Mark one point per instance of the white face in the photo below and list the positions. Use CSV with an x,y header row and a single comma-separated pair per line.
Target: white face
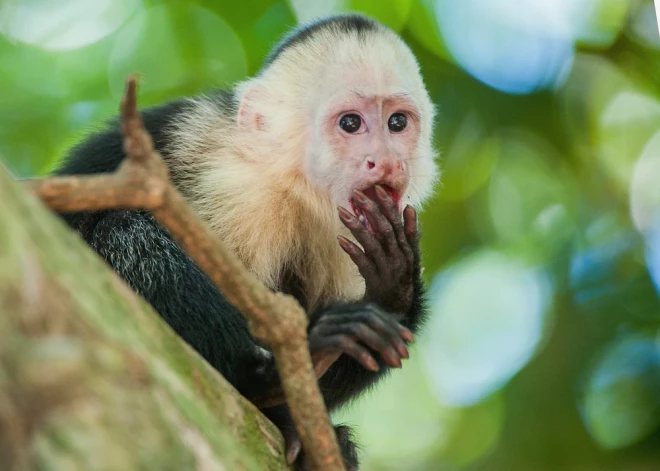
x,y
368,131
357,116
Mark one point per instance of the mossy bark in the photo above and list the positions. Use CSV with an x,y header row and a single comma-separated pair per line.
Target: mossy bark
x,y
92,379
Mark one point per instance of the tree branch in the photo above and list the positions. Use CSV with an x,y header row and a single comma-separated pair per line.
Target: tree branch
x,y
142,183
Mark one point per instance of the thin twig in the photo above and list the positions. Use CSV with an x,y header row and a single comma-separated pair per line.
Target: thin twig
x,y
141,182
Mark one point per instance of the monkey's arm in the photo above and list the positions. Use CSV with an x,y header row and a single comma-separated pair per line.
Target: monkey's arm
x,y
390,265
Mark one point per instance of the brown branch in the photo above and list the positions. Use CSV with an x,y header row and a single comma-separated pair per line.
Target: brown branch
x,y
142,182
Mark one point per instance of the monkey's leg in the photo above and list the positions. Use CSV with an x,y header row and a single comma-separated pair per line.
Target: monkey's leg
x,y
295,454
346,446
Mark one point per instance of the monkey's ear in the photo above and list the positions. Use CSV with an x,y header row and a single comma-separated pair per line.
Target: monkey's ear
x,y
249,117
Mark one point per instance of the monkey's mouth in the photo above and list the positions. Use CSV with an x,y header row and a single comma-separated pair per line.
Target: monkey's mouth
x,y
371,194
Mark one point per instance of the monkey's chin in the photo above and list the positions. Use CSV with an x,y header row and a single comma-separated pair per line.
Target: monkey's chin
x,y
371,194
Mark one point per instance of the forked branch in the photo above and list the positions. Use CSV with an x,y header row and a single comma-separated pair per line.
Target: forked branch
x,y
142,183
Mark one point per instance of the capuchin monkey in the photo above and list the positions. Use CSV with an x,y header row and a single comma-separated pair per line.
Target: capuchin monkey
x,y
310,172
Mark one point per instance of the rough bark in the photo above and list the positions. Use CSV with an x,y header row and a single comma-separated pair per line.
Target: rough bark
x,y
92,378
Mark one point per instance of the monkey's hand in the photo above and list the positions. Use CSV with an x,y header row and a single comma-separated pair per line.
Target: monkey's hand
x,y
360,331
389,258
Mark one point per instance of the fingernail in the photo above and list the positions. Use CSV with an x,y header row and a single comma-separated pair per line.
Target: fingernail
x,y
403,351
382,194
345,214
414,213
371,363
394,359
407,335
361,197
343,242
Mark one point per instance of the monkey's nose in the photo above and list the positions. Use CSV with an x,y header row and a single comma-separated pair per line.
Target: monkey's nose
x,y
383,167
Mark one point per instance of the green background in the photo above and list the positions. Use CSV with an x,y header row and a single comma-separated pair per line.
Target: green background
x,y
541,246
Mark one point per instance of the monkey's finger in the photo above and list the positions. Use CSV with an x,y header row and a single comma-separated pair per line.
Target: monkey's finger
x,y
369,243
391,212
367,336
344,344
387,326
381,224
410,224
380,320
387,331
364,264
375,314
378,317
389,208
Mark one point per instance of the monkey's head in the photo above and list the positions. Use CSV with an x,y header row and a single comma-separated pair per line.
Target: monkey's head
x,y
344,96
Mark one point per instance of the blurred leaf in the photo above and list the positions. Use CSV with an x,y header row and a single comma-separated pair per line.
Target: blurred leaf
x,y
476,432
271,27
622,402
469,162
473,345
410,431
601,21
529,181
307,10
424,28
202,51
393,13
65,24
627,122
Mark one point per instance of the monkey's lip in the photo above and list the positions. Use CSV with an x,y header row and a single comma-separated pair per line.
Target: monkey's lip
x,y
370,192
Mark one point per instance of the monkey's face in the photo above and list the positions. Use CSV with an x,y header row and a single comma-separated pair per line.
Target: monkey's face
x,y
369,132
354,111
372,139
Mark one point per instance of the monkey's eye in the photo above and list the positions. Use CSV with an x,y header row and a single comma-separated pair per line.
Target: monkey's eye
x,y
350,123
397,122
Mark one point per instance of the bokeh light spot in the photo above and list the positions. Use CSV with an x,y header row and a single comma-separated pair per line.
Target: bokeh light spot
x,y
400,434
622,400
306,10
64,24
624,127
645,186
202,51
468,163
487,315
515,47
652,254
526,193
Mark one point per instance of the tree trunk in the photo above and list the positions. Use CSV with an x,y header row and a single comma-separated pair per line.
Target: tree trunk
x,y
92,379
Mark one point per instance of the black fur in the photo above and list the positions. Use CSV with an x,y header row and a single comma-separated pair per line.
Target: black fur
x,y
342,23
